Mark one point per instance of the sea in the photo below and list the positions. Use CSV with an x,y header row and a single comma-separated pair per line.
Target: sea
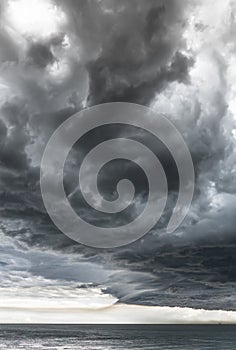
x,y
107,337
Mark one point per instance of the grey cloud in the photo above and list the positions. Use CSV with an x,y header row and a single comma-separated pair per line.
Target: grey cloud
x,y
132,51
41,55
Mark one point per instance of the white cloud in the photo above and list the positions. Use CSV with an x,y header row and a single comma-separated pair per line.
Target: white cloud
x,y
115,314
34,18
54,298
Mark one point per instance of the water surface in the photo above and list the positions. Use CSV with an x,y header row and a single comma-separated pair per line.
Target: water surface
x,y
107,337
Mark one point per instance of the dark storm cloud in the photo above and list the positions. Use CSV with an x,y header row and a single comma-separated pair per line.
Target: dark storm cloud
x,y
41,55
199,272
103,89
140,53
16,138
133,51
151,20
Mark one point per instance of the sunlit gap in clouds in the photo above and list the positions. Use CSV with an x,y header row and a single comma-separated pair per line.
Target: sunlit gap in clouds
x,y
31,21
35,18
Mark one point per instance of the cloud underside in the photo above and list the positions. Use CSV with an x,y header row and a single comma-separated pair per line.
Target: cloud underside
x,y
177,57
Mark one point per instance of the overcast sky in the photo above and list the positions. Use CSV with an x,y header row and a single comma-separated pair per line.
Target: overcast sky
x,y
176,56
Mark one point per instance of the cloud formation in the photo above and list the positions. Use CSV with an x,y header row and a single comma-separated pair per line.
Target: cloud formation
x,y
177,57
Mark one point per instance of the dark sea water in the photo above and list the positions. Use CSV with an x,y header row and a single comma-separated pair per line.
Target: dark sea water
x,y
107,337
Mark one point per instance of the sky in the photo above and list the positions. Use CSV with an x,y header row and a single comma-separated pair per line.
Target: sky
x,y
177,57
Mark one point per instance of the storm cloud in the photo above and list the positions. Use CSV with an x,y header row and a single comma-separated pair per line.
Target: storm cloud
x,y
178,57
